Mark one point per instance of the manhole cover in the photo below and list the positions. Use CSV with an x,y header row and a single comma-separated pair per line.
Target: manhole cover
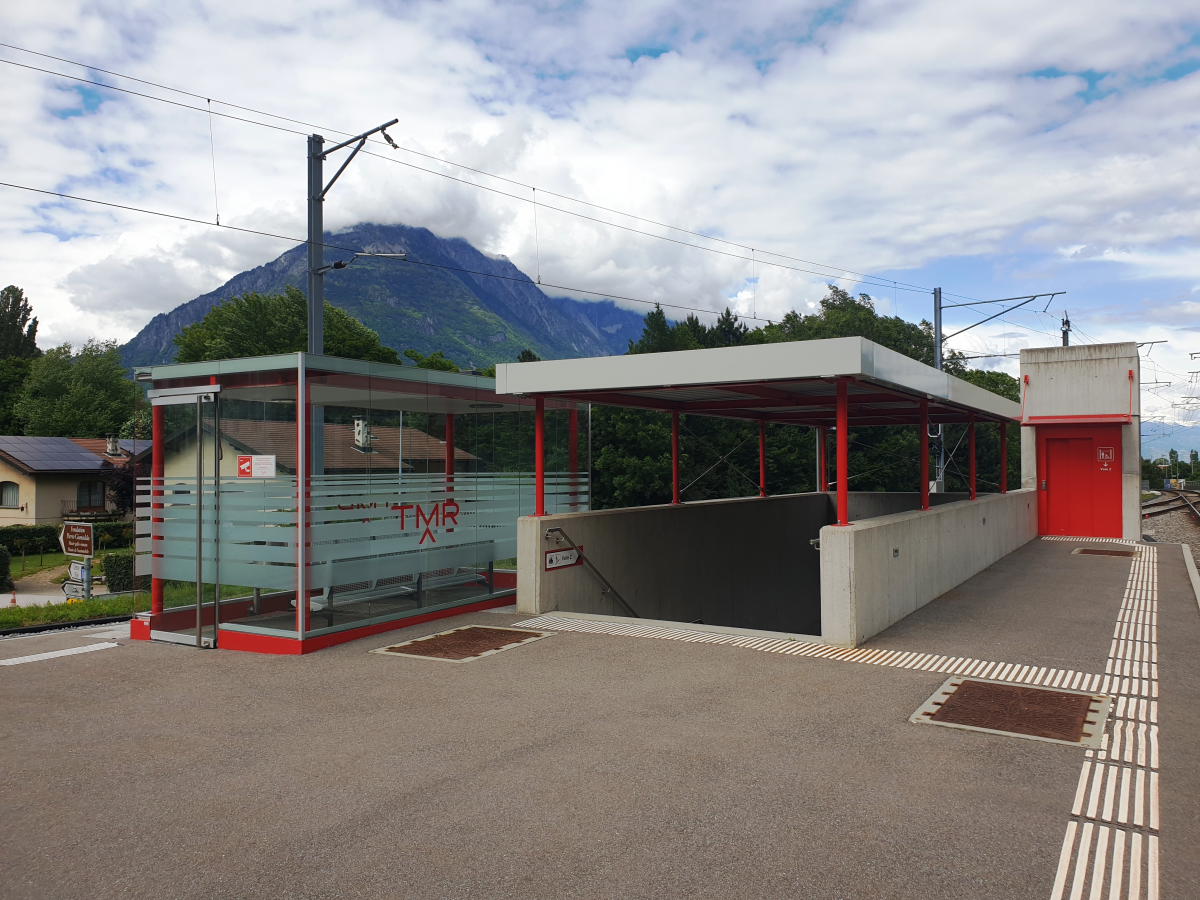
x,y
1095,551
464,644
1064,717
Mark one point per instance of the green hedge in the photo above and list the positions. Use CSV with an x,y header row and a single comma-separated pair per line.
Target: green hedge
x,y
118,572
33,537
108,536
5,569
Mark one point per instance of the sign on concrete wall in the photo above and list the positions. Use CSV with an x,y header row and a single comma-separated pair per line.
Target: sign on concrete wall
x,y
76,538
561,559
256,466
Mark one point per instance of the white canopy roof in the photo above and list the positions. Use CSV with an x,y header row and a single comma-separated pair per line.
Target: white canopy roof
x,y
787,382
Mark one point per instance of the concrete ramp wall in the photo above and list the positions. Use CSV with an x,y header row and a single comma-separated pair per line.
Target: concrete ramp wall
x,y
875,572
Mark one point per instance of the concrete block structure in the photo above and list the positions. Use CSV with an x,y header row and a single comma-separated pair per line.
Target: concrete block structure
x,y
1081,439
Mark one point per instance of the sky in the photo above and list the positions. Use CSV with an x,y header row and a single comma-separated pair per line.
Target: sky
x,y
699,155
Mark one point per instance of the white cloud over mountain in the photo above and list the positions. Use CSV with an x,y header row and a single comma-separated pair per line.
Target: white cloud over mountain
x,y
994,149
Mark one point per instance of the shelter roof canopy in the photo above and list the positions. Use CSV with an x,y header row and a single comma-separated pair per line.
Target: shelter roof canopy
x,y
794,382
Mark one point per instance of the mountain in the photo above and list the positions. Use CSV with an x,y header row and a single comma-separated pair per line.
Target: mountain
x,y
475,319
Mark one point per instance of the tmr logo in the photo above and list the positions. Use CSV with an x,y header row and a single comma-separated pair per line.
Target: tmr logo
x,y
1106,454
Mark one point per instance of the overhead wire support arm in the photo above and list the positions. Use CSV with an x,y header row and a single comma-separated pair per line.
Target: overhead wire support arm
x,y
317,189
999,314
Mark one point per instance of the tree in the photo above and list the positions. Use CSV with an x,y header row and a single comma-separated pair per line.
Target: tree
x,y
13,372
632,447
84,394
255,324
528,355
435,360
18,328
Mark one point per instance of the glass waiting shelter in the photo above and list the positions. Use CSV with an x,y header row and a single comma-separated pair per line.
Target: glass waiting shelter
x,y
298,501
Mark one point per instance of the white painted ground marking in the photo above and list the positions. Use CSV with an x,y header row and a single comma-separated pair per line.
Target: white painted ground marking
x,y
1118,865
1131,674
1152,867
54,654
1098,868
1135,867
1081,862
1064,863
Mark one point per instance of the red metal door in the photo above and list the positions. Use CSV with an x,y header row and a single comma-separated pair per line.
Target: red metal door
x,y
1079,480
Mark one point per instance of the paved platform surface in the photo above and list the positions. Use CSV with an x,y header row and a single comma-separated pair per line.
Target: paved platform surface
x,y
592,765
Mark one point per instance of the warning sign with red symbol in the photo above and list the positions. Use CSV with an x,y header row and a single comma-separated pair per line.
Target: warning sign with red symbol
x,y
256,466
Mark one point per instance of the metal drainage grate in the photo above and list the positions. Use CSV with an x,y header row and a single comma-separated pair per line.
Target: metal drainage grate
x,y
464,644
1095,551
1062,717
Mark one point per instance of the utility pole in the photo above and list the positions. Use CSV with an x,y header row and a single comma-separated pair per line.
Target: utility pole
x,y
317,189
1066,329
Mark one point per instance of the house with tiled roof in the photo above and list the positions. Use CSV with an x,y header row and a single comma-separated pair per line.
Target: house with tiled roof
x,y
46,479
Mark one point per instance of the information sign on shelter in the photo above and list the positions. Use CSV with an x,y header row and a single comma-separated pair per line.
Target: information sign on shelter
x,y
76,538
256,466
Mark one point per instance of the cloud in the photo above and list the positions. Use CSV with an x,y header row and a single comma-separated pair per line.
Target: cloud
x,y
999,148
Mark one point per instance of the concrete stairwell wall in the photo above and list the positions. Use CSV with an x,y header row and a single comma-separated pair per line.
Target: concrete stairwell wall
x,y
877,571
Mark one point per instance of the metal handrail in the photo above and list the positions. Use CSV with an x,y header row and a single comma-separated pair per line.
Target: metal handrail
x,y
610,589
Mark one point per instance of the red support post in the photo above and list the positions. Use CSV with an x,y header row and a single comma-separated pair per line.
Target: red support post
x,y
762,459
924,454
971,454
158,454
1003,426
539,456
843,454
449,450
675,458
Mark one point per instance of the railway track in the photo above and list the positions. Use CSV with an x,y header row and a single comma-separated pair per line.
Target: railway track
x,y
1178,500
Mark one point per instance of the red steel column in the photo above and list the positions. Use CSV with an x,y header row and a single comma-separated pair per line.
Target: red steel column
x,y
449,450
924,454
157,469
843,455
675,458
539,456
762,459
971,454
1003,457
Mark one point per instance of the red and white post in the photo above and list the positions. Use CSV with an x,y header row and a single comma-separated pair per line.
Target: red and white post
x,y
843,454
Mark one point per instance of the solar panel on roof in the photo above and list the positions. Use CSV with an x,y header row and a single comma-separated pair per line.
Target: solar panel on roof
x,y
48,454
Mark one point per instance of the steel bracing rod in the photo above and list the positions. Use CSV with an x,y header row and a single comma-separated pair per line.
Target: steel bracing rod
x,y
353,153
1001,313
592,566
361,137
720,459
1002,300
